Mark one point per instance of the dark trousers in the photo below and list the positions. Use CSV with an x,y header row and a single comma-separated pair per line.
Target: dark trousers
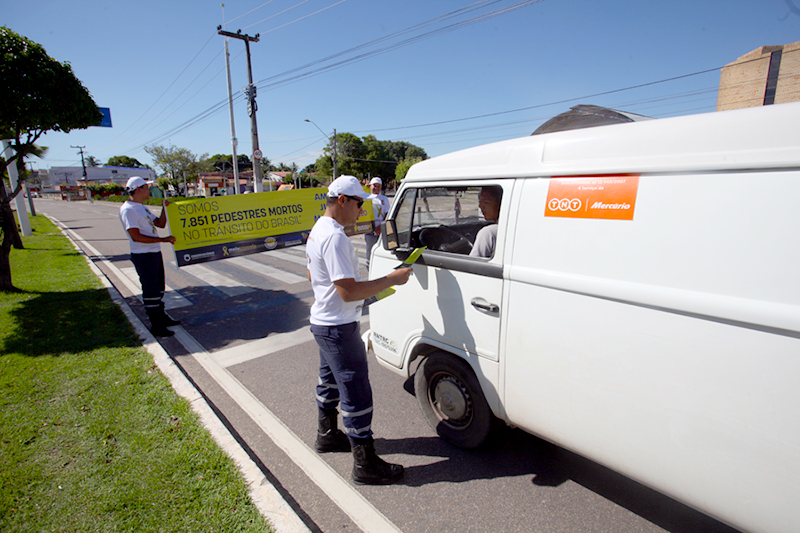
x,y
344,378
150,267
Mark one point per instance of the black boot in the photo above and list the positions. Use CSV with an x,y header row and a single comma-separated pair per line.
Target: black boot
x,y
329,437
369,469
166,319
169,321
157,326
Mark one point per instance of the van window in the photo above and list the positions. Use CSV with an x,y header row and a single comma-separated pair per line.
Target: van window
x,y
445,219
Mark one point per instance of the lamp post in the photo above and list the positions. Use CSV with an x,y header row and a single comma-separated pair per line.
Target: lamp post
x,y
335,169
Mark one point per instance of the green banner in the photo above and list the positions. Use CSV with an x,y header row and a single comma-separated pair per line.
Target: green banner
x,y
208,229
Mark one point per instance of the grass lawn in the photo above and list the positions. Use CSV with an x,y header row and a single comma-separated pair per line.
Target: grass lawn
x,y
92,435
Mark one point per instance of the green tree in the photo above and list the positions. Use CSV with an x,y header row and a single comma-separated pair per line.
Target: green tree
x,y
39,95
367,156
403,166
92,161
125,161
174,161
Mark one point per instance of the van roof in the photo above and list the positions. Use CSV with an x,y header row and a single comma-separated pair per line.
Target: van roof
x,y
743,139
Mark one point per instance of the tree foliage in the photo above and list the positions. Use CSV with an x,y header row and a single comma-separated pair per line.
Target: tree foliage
x,y
404,166
366,156
224,163
125,161
40,94
174,161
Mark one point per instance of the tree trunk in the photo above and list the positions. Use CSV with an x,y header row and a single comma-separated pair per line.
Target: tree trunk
x,y
5,252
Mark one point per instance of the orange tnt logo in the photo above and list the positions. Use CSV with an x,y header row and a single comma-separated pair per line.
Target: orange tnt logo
x,y
605,197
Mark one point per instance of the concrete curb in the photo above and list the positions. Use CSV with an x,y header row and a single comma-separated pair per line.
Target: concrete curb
x,y
266,498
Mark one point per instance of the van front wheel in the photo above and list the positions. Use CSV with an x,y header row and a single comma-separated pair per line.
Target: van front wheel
x,y
452,401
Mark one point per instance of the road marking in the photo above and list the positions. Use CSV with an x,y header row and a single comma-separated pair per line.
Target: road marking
x,y
228,357
290,257
339,490
172,298
266,270
229,286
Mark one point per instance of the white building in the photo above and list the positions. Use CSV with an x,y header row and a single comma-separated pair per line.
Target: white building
x,y
55,178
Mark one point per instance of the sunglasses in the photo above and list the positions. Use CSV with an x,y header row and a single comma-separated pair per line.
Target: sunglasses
x,y
358,200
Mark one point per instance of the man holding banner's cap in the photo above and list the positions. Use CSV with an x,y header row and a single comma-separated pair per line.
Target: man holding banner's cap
x,y
338,296
141,224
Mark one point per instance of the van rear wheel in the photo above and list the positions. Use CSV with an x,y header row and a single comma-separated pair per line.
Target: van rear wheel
x,y
452,400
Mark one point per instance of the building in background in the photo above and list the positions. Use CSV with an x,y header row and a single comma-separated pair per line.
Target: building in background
x,y
767,75
58,178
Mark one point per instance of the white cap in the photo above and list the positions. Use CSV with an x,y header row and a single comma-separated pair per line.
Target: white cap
x,y
136,182
377,181
347,186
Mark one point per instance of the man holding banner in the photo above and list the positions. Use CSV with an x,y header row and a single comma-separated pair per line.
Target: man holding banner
x,y
141,224
338,298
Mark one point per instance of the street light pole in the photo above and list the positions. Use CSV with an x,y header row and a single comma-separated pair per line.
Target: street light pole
x,y
335,168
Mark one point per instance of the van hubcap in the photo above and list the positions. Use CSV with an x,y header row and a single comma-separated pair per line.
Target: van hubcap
x,y
451,400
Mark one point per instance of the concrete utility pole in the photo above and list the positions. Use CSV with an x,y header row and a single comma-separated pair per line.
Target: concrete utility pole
x,y
83,163
250,92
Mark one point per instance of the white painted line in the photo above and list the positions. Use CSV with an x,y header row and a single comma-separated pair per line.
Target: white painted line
x,y
242,353
229,286
339,490
172,299
266,270
290,257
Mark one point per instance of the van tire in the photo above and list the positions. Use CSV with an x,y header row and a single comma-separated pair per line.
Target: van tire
x,y
452,401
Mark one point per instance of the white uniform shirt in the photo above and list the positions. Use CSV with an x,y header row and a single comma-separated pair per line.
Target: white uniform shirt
x,y
380,208
136,215
485,241
331,257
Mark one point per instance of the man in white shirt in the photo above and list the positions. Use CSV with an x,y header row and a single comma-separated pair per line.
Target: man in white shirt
x,y
489,204
380,208
140,225
339,293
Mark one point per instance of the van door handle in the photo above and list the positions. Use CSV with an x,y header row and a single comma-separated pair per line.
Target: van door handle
x,y
483,305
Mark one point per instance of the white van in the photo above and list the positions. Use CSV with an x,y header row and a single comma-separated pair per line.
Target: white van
x,y
641,307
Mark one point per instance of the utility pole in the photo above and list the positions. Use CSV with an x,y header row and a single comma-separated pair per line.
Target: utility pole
x,y
83,164
250,92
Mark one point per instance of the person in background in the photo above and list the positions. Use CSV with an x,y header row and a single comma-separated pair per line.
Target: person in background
x,y
380,208
338,297
489,204
140,225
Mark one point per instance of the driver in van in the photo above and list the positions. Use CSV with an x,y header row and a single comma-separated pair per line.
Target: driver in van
x,y
489,204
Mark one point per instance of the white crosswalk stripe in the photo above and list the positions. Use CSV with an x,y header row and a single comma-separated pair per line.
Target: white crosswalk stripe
x,y
229,286
266,270
297,258
172,298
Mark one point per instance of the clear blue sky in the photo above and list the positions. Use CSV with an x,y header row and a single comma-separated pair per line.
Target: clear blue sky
x,y
159,66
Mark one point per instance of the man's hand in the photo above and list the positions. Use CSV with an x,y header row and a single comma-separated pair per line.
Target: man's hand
x,y
351,290
400,276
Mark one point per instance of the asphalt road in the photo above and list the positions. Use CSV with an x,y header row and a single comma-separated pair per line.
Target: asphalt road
x,y
245,344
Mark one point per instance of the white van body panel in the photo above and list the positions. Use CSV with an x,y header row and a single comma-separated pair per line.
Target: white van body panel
x,y
666,347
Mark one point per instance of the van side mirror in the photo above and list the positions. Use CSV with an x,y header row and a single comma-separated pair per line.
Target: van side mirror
x,y
389,235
